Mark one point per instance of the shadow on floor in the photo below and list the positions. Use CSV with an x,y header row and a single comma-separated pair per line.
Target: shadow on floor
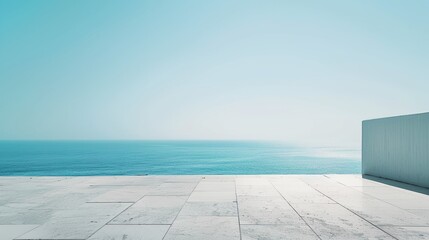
x,y
402,185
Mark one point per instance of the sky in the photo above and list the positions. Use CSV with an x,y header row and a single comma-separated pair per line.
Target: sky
x,y
303,72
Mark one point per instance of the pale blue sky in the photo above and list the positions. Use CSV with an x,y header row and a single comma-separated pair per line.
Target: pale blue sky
x,y
306,72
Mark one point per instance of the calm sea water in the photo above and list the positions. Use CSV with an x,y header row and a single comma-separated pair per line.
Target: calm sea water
x,y
77,158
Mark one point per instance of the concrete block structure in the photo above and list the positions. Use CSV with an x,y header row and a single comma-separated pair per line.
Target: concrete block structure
x,y
397,148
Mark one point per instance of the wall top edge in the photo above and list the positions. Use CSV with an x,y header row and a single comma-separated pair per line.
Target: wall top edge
x,y
398,116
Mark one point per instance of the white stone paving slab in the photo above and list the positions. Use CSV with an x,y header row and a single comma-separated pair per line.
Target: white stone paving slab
x,y
381,213
212,207
266,210
9,232
209,209
374,210
408,233
353,180
123,194
253,181
390,192
218,178
249,190
277,232
212,197
131,232
213,186
331,221
7,181
420,212
78,223
173,189
300,193
421,203
321,181
336,190
21,213
178,178
64,201
204,227
122,181
152,210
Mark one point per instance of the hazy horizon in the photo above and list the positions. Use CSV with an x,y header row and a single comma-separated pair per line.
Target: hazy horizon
x,y
305,72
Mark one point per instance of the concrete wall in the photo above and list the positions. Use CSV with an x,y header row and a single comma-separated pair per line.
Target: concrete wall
x,y
397,148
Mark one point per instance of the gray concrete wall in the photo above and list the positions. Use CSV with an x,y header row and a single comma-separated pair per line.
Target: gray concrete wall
x,y
397,148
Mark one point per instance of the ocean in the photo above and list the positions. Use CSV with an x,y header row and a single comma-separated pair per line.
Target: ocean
x,y
94,158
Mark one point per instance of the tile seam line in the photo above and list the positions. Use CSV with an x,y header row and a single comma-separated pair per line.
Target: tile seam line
x,y
49,238
38,225
171,195
391,204
306,223
266,224
146,224
350,209
366,220
126,185
417,226
238,209
166,232
113,218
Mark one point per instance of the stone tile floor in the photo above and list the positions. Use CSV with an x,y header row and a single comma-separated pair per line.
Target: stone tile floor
x,y
212,207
